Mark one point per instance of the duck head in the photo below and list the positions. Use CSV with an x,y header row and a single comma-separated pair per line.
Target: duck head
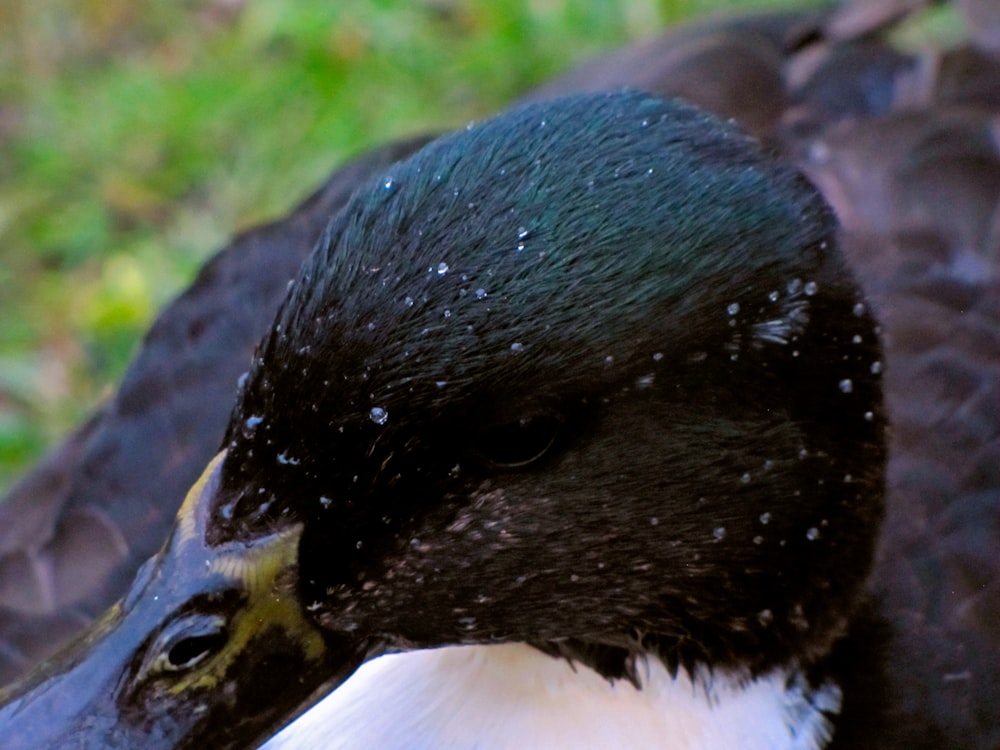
x,y
590,375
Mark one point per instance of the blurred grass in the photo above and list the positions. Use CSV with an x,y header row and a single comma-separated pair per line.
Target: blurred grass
x,y
137,136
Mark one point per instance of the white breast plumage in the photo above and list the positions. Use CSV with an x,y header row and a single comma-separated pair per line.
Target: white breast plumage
x,y
513,696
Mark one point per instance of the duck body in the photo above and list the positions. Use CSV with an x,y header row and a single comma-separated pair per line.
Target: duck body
x,y
514,515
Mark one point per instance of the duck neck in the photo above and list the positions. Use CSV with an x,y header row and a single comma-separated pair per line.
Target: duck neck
x,y
513,695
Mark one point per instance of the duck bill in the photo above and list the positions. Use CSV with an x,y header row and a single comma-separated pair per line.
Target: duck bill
x,y
211,647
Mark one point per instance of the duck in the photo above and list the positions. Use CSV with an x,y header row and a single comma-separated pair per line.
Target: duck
x,y
426,449
938,397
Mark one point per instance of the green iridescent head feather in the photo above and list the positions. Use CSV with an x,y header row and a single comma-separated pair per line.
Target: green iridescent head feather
x,y
534,247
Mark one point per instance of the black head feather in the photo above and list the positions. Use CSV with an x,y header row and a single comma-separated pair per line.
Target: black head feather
x,y
589,372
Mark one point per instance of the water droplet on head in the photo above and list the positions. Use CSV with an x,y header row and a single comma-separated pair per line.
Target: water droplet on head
x,y
467,623
657,356
876,368
242,380
745,478
442,269
732,308
408,301
719,533
810,288
252,422
773,296
869,416
765,617
481,293
325,501
388,183
856,339
517,347
522,232
378,415
794,286
859,310
758,539
812,534
846,385
765,518
608,361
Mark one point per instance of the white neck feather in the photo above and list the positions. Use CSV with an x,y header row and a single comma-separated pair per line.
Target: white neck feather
x,y
513,696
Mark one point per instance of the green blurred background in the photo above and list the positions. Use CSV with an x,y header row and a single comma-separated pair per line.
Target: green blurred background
x,y
137,136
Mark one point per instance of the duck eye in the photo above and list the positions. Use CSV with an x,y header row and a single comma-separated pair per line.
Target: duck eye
x,y
521,443
188,652
188,642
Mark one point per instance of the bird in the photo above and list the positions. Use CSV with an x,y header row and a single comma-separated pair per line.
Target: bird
x,y
433,424
918,274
